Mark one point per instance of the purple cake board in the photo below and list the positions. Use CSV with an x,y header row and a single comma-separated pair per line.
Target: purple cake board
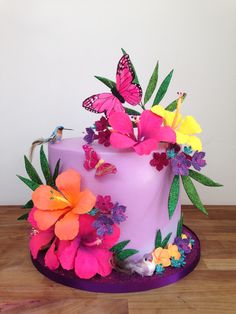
x,y
118,282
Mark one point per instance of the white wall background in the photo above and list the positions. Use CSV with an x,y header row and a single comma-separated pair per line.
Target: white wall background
x,y
50,50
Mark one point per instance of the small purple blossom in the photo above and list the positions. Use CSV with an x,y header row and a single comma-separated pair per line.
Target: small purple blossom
x,y
90,136
183,244
118,213
180,164
103,225
197,160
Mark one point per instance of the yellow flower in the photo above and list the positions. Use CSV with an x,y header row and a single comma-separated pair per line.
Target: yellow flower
x,y
185,128
173,251
183,236
161,256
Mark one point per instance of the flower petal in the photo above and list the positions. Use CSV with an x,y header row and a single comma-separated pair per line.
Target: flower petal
x,y
85,203
103,257
149,125
86,226
46,198
194,142
120,122
51,259
31,219
118,140
146,147
68,182
68,253
47,218
168,116
181,138
167,134
189,126
67,227
109,240
40,240
86,264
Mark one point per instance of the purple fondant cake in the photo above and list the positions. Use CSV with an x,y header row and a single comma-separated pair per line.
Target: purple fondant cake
x,y
109,202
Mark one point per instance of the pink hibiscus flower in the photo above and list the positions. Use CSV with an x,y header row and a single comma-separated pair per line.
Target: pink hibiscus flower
x,y
87,254
150,132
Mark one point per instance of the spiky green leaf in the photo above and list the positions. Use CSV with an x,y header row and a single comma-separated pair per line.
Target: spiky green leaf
x,y
31,184
193,194
158,239
166,240
163,89
45,167
131,112
173,196
56,171
23,217
151,84
106,81
172,106
29,204
119,246
180,226
203,179
122,255
135,80
32,173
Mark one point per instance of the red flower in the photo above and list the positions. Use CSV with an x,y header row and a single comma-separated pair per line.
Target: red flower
x,y
104,204
159,161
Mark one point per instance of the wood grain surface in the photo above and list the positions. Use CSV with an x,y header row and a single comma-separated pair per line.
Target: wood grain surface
x,y
211,288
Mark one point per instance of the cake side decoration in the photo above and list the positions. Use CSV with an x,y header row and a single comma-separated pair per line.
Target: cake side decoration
x,y
90,226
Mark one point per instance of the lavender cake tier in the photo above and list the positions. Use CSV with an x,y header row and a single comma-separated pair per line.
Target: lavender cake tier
x,y
136,185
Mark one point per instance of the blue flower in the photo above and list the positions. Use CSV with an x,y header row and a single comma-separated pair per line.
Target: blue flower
x,y
159,269
197,160
103,225
188,150
93,211
171,153
118,213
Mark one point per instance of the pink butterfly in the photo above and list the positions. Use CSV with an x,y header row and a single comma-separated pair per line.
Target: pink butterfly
x,y
125,90
92,161
150,132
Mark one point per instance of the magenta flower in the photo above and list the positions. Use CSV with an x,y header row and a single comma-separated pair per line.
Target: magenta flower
x,y
197,160
159,161
104,137
104,204
180,164
101,124
150,132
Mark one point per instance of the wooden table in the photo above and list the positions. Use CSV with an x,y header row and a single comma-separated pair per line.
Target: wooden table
x,y
211,288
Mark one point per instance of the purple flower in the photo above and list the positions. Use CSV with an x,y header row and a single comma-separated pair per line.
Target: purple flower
x,y
183,244
103,225
90,136
180,164
118,213
197,160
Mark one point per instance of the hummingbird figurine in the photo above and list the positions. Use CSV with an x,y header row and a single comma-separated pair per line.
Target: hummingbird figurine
x,y
53,138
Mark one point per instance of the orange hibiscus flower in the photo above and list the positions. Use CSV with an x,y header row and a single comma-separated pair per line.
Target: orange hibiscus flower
x,y
174,251
161,256
62,207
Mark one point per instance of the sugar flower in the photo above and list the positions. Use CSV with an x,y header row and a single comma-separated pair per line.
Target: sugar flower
x,y
150,132
62,207
183,244
159,161
174,251
90,136
104,204
185,128
197,160
101,124
180,164
103,225
161,256
118,213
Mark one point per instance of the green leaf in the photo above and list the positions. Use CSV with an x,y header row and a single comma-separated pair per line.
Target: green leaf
x,y
29,204
32,173
166,240
122,255
158,239
203,179
119,246
31,184
163,89
132,112
106,81
172,106
193,194
45,167
23,217
173,195
135,80
151,85
56,170
180,226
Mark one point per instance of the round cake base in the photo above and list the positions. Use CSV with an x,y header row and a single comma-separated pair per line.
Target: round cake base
x,y
118,282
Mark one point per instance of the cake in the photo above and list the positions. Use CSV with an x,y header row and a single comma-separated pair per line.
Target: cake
x,y
111,201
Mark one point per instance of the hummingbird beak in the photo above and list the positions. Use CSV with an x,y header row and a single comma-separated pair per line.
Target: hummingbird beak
x,y
68,129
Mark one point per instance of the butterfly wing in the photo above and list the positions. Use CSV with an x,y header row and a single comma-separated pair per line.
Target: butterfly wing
x,y
131,92
105,102
91,157
104,169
